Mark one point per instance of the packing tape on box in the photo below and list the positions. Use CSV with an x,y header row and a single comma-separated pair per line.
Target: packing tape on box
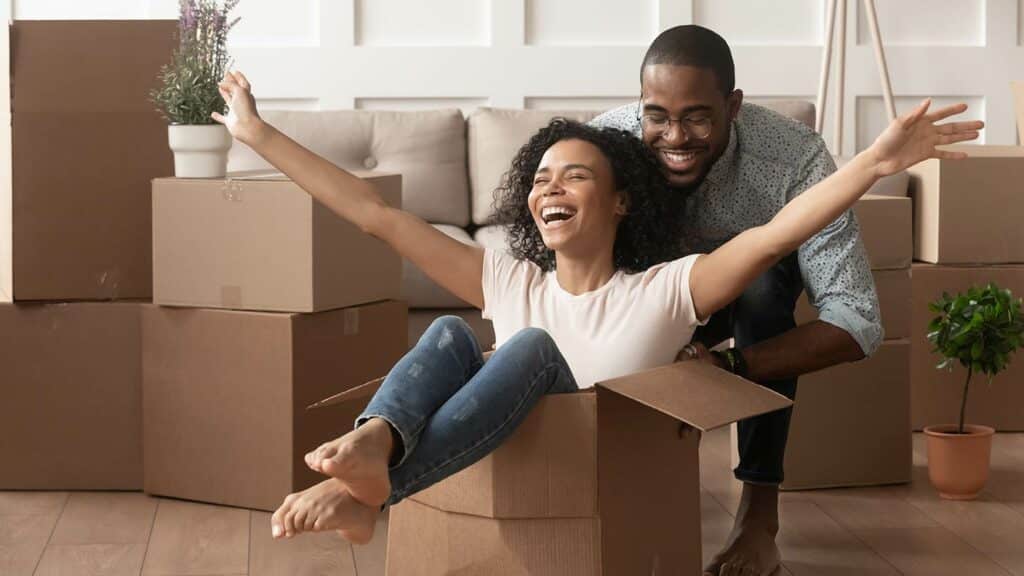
x,y
231,296
351,321
231,190
109,282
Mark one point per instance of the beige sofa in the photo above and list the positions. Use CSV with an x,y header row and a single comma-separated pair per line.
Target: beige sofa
x,y
450,167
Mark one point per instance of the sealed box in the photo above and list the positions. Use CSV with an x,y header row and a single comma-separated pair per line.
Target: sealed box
x,y
936,394
259,242
969,211
893,288
79,143
885,226
70,417
224,395
573,490
851,423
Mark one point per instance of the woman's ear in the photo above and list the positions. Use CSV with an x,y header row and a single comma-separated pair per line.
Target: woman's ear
x,y
622,203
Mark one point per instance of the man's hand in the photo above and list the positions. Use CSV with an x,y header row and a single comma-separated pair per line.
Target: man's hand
x,y
700,353
913,137
243,121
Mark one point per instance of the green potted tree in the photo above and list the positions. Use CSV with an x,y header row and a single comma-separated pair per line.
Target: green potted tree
x,y
979,330
188,93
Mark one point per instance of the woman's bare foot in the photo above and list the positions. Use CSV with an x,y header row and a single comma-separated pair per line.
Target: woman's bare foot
x,y
751,547
325,506
359,460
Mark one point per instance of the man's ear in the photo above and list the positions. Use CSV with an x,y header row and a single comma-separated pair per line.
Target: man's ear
x,y
735,101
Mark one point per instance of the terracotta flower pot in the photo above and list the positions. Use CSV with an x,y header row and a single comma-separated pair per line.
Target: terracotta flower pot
x,y
958,464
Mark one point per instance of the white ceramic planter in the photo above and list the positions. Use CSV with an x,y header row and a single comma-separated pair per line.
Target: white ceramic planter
x,y
200,151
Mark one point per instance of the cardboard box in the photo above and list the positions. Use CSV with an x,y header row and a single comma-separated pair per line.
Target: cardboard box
x,y
885,226
261,243
70,417
969,211
851,423
573,490
225,395
936,394
893,288
75,172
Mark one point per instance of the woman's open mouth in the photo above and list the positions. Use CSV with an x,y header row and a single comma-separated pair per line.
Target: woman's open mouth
x,y
679,160
556,216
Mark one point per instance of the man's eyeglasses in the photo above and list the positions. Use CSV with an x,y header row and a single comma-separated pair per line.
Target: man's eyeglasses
x,y
697,126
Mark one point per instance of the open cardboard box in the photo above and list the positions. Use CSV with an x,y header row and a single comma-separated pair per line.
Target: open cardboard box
x,y
602,481
256,241
79,143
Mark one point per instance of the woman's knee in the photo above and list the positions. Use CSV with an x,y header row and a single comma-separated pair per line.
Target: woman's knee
x,y
534,338
445,331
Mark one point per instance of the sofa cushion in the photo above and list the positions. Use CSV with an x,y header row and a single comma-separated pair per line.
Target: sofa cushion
x,y
422,292
495,135
428,148
800,110
492,237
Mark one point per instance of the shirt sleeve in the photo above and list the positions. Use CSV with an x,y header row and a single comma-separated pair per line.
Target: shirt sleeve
x,y
624,118
834,264
673,278
503,278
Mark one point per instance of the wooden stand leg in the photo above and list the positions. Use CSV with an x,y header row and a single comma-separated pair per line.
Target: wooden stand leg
x,y
883,69
840,78
826,60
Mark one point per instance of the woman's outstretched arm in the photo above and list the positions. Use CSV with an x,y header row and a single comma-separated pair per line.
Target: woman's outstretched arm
x,y
720,277
455,266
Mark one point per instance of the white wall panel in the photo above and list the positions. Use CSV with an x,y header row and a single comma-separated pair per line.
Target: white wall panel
x,y
871,115
926,22
266,22
574,103
422,23
584,22
547,54
81,9
756,22
287,104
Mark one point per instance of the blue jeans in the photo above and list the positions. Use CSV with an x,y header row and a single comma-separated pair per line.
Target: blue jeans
x,y
450,409
764,310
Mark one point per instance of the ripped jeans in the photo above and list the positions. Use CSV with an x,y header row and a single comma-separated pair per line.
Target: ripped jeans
x,y
450,409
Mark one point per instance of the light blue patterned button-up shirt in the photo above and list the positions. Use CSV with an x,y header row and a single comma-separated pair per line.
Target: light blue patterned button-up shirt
x,y
769,160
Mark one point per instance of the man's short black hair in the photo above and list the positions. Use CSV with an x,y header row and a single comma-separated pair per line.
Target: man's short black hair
x,y
692,45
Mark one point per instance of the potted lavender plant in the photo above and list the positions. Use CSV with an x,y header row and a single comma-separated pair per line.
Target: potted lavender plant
x,y
188,93
979,330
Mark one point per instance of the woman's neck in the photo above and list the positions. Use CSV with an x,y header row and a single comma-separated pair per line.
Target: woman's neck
x,y
578,276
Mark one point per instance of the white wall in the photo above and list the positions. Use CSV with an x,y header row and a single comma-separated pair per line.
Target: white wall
x,y
585,53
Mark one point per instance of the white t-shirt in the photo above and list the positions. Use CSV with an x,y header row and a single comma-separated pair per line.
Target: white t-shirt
x,y
633,322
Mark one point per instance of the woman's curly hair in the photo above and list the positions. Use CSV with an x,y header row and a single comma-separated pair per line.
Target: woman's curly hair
x,y
651,231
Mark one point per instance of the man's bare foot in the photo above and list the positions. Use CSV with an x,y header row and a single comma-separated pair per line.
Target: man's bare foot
x,y
751,548
325,506
359,460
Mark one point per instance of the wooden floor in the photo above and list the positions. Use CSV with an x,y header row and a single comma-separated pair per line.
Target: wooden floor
x,y
864,532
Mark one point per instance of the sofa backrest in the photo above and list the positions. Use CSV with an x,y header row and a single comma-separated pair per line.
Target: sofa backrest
x,y
428,148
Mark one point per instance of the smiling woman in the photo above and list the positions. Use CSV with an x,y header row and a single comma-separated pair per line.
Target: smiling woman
x,y
646,232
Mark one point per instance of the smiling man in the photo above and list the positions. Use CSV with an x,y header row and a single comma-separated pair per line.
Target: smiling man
x,y
740,164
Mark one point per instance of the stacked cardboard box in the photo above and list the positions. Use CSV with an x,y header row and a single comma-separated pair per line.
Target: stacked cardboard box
x,y
79,142
967,232
268,302
851,423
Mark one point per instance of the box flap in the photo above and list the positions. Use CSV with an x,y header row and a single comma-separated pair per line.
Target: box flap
x,y
698,394
362,391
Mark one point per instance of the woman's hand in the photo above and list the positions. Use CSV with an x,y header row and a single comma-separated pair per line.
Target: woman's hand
x,y
913,137
243,121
